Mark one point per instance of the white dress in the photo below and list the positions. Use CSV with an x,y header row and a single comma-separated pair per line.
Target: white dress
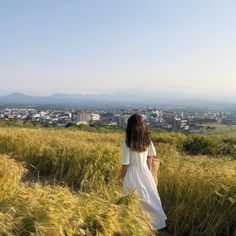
x,y
139,177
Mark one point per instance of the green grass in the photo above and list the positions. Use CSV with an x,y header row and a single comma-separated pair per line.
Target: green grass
x,y
222,129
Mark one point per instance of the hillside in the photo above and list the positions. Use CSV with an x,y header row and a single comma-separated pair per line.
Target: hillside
x,y
71,186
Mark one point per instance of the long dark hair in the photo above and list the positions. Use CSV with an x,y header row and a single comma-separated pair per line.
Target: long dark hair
x,y
137,134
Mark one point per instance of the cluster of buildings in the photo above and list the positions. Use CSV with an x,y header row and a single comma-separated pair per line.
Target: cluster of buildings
x,y
49,117
152,116
228,118
187,121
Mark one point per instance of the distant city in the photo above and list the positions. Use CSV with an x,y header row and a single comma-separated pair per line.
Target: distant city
x,y
155,117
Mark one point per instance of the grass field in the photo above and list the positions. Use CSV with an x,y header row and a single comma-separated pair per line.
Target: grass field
x,y
71,186
222,129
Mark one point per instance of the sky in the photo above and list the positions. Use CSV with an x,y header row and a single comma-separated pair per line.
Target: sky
x,y
173,48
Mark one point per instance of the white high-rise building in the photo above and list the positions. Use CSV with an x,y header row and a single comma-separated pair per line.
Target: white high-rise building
x,y
95,116
153,112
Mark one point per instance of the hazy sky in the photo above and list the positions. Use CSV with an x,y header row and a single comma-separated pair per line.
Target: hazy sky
x,y
183,47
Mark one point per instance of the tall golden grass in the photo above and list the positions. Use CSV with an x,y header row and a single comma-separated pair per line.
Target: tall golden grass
x,y
198,193
33,209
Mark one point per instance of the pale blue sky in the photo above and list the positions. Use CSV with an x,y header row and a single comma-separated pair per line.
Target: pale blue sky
x,y
182,47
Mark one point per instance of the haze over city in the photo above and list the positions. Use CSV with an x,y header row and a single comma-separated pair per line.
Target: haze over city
x,y
183,49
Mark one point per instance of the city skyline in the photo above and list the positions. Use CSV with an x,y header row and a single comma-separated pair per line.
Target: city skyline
x,y
183,49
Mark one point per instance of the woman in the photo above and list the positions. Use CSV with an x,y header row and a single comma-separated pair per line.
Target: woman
x,y
137,153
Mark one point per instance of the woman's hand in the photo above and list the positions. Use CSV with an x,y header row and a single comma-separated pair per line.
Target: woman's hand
x,y
121,181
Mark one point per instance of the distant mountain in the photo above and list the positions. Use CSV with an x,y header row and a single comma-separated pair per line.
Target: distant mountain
x,y
100,101
15,96
61,99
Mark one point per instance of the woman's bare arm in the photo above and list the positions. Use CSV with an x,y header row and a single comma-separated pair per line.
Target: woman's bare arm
x,y
123,171
149,162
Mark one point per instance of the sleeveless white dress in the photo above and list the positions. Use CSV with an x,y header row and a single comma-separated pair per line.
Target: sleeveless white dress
x,y
139,177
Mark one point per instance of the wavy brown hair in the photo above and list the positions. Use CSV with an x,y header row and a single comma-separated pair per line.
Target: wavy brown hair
x,y
137,134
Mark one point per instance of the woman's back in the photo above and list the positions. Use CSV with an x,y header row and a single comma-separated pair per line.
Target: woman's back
x,y
135,158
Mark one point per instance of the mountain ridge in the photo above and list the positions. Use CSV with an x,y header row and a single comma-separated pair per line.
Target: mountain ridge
x,y
105,100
